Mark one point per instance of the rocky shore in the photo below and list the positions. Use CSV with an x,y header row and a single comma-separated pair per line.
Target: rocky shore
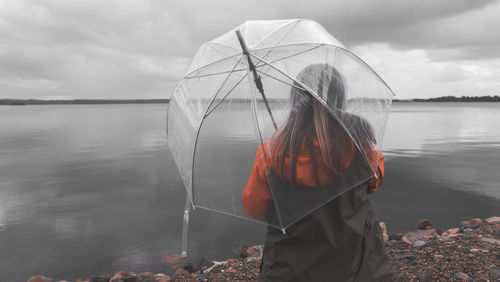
x,y
470,252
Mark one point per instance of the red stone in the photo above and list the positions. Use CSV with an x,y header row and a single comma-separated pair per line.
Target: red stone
x,y
40,278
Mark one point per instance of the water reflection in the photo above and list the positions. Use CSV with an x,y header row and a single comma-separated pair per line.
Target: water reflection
x,y
83,186
427,128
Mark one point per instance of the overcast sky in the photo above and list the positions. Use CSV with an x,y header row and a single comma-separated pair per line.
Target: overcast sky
x,y
141,49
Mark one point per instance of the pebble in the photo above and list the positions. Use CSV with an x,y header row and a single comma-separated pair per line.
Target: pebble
x,y
476,221
40,278
420,234
160,277
182,275
424,277
172,259
461,276
491,240
409,257
424,224
493,219
495,272
147,274
419,244
246,251
232,261
119,275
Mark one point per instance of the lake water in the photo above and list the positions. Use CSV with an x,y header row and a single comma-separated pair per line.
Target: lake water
x,y
88,189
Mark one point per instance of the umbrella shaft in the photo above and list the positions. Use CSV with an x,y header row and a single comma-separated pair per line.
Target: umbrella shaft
x,y
256,77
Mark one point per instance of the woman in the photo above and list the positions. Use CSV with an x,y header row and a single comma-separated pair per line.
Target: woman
x,y
312,158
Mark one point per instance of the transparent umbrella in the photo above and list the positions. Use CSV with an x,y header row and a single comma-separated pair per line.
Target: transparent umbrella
x,y
242,87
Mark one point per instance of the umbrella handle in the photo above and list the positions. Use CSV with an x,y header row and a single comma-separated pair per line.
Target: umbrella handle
x,y
185,227
257,80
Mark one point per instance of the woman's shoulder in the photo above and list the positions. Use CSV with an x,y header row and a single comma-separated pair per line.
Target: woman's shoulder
x,y
262,151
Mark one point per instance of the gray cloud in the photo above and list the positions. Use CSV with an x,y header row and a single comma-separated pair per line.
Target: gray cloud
x,y
140,49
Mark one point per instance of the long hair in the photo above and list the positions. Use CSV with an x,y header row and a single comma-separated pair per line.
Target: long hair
x,y
309,119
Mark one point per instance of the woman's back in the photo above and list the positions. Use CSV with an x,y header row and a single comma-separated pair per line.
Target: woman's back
x,y
312,178
339,241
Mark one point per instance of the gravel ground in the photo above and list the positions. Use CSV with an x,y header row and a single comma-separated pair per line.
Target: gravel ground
x,y
470,252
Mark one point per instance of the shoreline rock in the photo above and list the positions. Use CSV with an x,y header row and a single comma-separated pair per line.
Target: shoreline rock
x,y
470,252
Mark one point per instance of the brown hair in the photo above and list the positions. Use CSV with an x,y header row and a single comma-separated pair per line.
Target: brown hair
x,y
309,118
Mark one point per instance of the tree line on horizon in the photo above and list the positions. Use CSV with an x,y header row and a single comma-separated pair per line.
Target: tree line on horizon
x,y
495,98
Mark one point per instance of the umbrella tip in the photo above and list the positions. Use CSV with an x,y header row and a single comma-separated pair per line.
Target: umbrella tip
x,y
242,42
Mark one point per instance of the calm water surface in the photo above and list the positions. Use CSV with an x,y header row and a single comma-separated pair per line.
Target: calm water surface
x,y
83,186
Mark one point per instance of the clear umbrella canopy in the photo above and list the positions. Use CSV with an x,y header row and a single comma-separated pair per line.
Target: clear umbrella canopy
x,y
218,119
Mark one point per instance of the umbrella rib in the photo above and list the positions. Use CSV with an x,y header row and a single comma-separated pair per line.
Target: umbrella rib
x,y
265,156
215,73
321,44
293,55
222,44
168,109
222,99
322,102
368,66
212,63
225,58
199,127
257,66
300,43
327,201
210,44
235,55
270,34
238,216
280,80
271,48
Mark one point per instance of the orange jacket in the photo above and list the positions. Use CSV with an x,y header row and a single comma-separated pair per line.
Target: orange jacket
x,y
256,192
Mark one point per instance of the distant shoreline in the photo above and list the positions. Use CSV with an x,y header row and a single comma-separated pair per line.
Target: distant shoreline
x,y
495,98
23,102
